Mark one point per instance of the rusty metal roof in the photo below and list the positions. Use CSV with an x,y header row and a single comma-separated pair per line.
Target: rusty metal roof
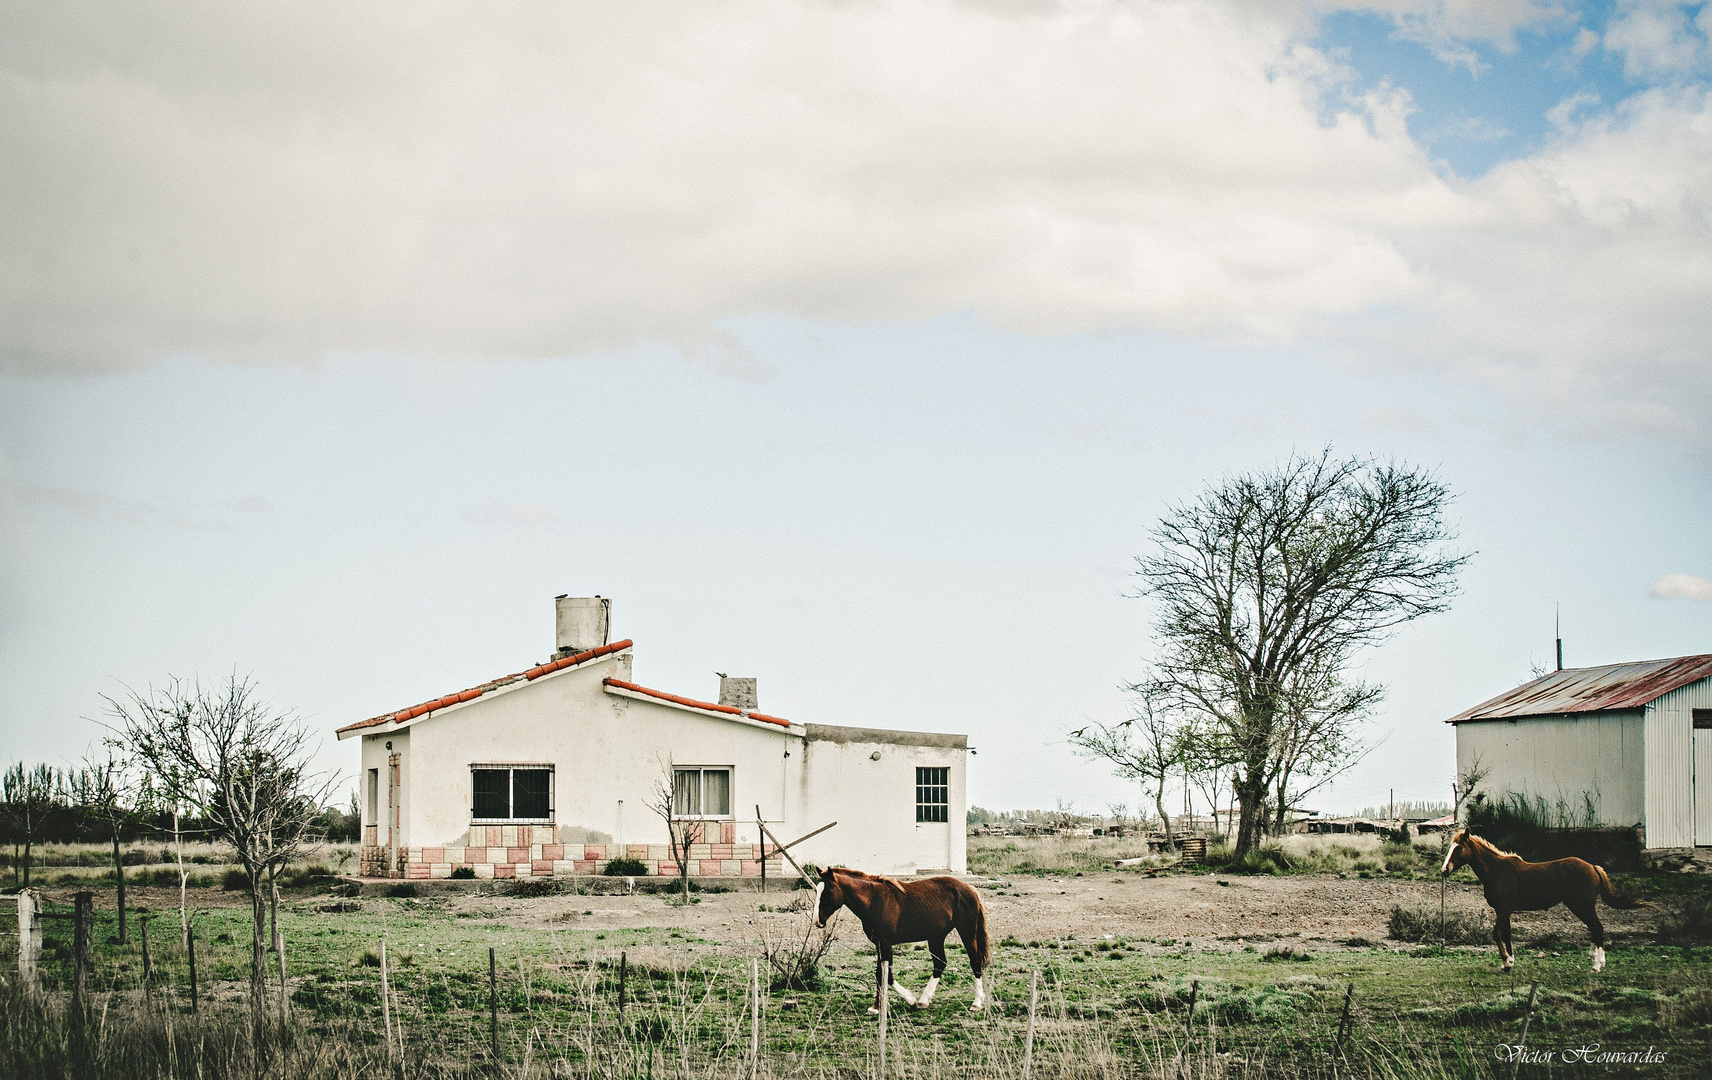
x,y
1592,689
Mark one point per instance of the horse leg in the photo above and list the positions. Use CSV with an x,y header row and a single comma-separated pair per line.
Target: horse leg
x,y
892,973
882,956
1588,913
1501,934
937,948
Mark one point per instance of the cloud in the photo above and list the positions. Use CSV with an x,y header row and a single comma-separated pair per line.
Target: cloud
x,y
210,515
530,514
1658,38
282,184
1684,586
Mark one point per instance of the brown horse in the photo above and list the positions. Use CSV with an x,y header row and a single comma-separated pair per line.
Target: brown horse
x,y
894,913
1513,884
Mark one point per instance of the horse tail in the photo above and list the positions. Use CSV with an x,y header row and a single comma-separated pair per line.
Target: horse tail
x,y
979,946
1612,898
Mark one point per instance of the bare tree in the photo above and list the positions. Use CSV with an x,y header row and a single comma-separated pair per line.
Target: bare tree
x,y
1146,748
31,796
681,831
1315,739
100,789
243,766
1287,571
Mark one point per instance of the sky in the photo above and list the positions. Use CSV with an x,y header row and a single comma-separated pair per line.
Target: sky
x,y
854,346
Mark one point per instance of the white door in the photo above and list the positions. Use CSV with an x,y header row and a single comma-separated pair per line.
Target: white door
x,y
932,819
932,845
1703,777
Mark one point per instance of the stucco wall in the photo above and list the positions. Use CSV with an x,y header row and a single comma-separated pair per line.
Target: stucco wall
x,y
1560,758
606,747
873,801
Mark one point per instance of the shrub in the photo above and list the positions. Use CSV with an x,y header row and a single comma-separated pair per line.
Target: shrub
x,y
403,890
1285,952
626,868
1689,920
1421,925
463,873
235,881
534,887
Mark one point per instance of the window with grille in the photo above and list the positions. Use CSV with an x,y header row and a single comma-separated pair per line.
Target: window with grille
x,y
1702,718
932,794
701,792
511,793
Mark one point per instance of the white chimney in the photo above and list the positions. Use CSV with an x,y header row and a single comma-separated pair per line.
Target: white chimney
x,y
737,693
581,623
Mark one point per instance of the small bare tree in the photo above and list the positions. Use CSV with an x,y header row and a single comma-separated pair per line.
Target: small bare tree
x,y
31,796
100,788
243,766
681,831
1147,753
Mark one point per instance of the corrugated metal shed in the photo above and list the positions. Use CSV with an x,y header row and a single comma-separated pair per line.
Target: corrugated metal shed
x,y
1593,689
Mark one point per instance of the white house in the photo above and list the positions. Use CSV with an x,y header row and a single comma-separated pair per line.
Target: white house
x,y
1631,741
551,771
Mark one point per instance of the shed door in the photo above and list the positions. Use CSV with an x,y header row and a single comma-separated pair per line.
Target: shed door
x,y
932,818
1703,777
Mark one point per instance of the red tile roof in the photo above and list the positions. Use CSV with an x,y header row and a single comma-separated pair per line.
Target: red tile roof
x,y
474,692
694,704
1593,689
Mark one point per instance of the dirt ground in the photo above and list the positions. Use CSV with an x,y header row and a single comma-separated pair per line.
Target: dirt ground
x,y
1197,908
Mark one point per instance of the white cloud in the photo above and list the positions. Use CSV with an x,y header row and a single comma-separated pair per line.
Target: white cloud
x,y
553,179
1657,38
1685,586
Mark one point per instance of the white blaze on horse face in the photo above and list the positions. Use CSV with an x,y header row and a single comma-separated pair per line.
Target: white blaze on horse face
x,y
819,887
1448,856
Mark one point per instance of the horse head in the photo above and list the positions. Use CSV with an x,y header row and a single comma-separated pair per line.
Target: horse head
x,y
1460,854
828,897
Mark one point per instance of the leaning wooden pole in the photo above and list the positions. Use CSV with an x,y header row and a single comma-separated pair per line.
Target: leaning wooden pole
x,y
1522,1041
754,1017
385,1000
885,999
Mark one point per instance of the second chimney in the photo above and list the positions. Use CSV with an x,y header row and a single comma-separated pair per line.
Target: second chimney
x,y
737,693
581,623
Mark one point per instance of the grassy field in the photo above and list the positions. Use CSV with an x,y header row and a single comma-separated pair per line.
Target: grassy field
x,y
1108,1007
1356,855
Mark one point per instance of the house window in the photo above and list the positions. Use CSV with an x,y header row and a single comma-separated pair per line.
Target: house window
x,y
1702,718
374,798
511,793
932,794
701,792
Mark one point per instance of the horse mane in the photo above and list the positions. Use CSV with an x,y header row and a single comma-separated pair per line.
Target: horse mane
x,y
1482,842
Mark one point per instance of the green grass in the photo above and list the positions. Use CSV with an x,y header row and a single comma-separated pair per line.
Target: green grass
x,y
1108,1008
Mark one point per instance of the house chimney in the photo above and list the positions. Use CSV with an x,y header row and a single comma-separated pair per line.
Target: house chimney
x,y
737,693
581,623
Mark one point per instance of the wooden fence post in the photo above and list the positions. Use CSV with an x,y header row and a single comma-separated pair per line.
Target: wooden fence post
x,y
1343,1022
29,942
385,1000
190,953
493,1003
82,931
885,999
754,1017
284,996
1522,1042
1028,1039
1189,1026
148,964
623,964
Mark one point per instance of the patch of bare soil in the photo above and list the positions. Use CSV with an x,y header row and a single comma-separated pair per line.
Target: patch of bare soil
x,y
1181,907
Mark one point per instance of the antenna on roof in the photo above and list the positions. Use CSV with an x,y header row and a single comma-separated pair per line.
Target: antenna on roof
x,y
1557,627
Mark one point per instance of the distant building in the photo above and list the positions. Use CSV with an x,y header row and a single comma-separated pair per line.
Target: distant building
x,y
1630,744
550,772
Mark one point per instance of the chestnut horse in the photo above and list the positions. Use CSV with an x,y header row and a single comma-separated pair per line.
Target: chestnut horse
x,y
893,913
1513,884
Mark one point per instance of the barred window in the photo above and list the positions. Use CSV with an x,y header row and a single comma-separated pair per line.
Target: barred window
x,y
506,793
932,794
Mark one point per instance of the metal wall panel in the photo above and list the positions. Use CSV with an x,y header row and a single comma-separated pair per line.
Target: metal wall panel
x,y
1560,759
1670,765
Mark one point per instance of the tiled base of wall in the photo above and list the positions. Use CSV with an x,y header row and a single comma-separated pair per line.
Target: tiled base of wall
x,y
531,851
